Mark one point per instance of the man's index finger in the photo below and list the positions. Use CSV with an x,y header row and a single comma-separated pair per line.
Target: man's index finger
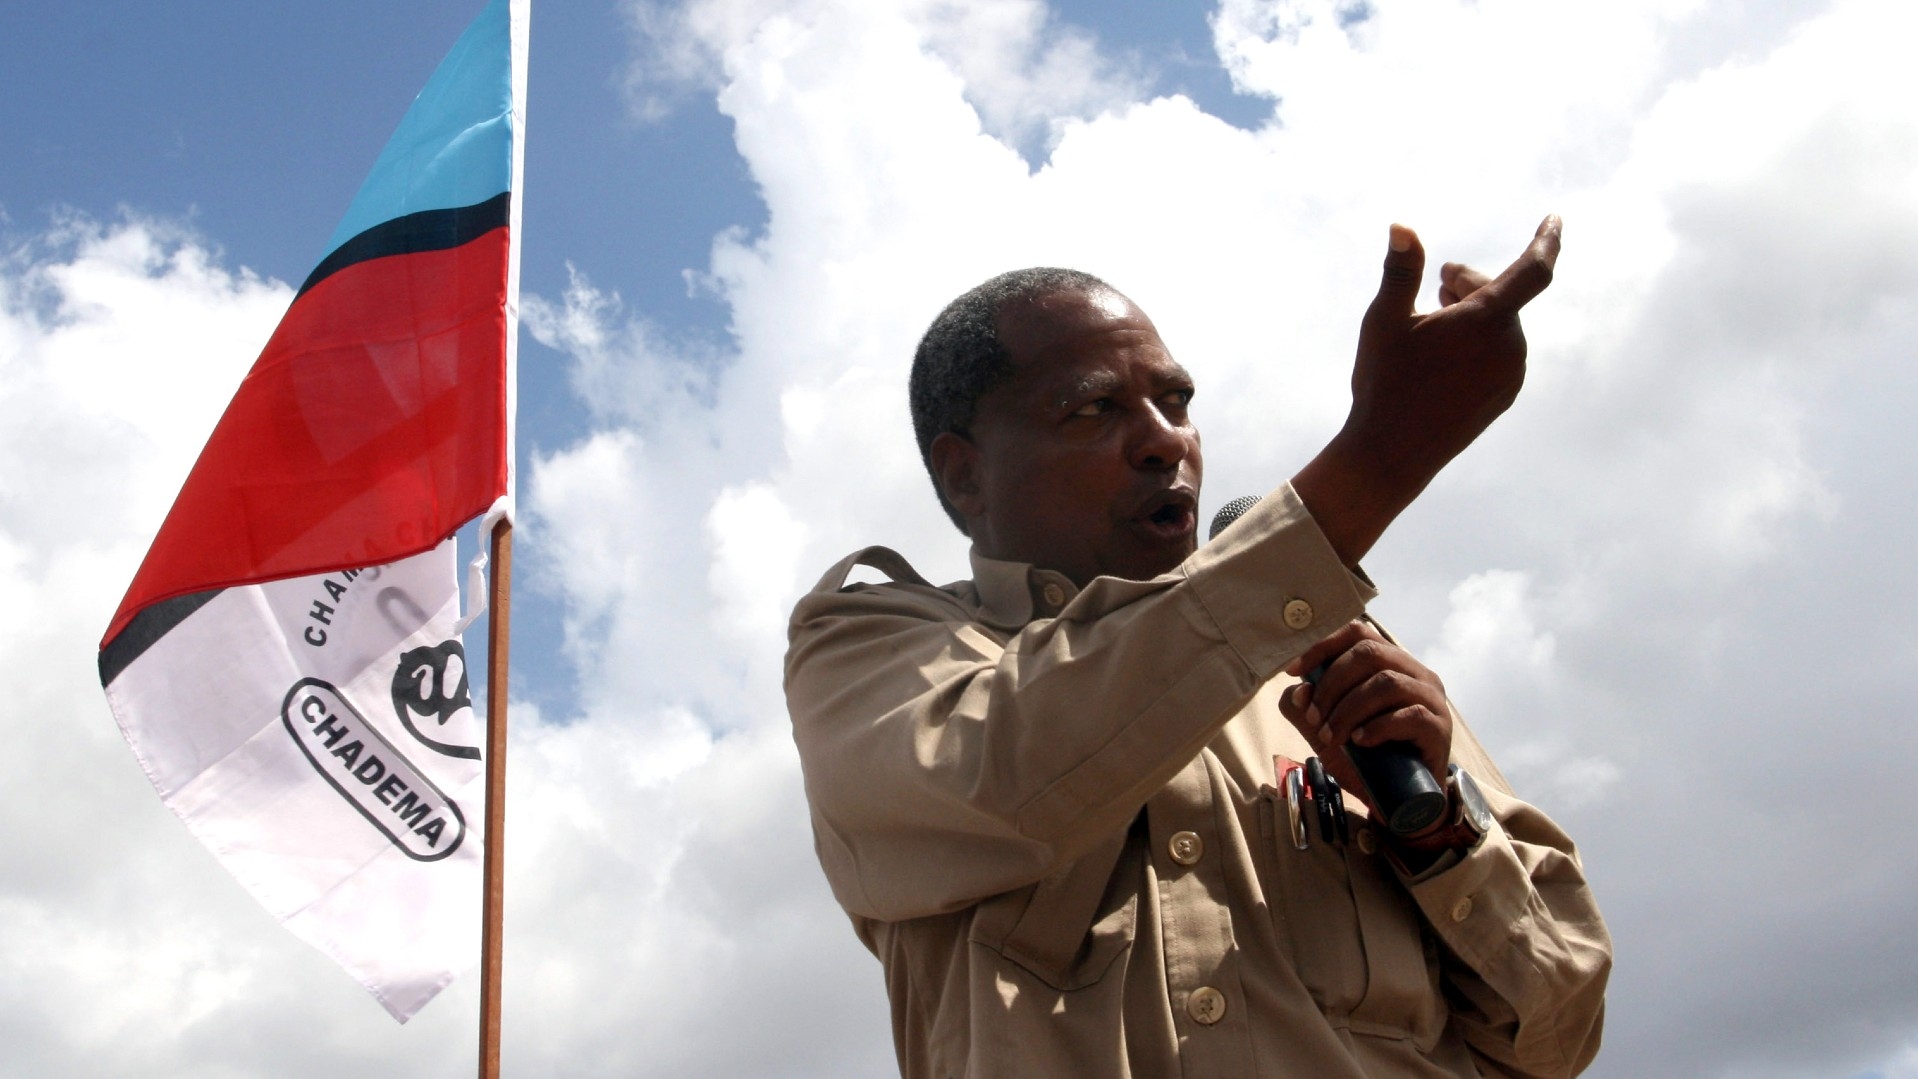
x,y
1528,275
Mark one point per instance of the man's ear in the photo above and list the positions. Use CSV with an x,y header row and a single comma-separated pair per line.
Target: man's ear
x,y
956,461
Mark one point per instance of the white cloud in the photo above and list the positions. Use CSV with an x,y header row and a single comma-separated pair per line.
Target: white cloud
x,y
106,337
756,542
1900,1065
1023,70
622,368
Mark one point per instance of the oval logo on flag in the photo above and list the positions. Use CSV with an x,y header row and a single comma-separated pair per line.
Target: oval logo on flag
x,y
370,773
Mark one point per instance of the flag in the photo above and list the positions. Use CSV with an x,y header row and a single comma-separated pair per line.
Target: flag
x,y
286,664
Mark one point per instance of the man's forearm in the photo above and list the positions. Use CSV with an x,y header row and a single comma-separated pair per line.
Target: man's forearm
x,y
1354,496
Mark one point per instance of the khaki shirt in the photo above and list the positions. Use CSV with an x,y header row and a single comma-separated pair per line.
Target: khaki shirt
x,y
998,771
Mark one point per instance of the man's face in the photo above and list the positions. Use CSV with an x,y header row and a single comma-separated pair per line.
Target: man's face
x,y
1083,460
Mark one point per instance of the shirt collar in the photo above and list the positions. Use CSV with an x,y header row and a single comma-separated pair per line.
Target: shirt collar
x,y
1012,594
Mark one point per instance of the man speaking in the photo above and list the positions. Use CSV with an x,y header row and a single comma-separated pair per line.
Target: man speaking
x,y
1082,806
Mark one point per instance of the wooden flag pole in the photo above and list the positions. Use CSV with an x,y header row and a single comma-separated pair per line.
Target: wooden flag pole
x,y
499,619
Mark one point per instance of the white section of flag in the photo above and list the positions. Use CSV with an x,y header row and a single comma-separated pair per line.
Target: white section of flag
x,y
218,709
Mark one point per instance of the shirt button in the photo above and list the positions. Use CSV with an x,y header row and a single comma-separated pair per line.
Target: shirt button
x,y
1368,842
1186,847
1054,596
1298,614
1462,909
1206,1005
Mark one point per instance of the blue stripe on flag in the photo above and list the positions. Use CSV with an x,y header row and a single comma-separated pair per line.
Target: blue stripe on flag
x,y
455,146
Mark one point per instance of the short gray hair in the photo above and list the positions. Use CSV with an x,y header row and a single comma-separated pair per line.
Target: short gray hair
x,y
961,357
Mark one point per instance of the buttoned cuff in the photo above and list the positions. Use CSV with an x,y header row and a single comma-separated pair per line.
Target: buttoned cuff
x,y
1273,585
1476,899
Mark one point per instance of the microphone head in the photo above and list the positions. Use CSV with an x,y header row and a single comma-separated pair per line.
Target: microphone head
x,y
1229,513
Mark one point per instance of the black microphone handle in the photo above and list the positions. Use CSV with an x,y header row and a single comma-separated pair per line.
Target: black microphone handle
x,y
1401,787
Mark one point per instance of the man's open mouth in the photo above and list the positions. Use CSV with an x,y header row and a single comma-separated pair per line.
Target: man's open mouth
x,y
1170,514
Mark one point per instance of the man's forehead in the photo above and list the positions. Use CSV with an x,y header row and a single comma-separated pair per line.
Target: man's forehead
x,y
1045,332
1034,321
1109,303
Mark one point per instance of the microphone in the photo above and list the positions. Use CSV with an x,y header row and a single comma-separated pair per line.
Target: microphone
x,y
1229,513
1402,788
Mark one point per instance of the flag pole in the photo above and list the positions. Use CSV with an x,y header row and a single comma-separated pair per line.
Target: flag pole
x,y
499,621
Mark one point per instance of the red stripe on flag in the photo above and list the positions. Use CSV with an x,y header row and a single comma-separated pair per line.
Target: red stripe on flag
x,y
371,427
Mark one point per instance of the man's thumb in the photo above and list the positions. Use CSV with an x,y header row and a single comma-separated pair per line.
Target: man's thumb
x,y
1404,268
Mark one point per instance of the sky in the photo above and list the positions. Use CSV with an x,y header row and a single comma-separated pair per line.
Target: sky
x,y
1669,589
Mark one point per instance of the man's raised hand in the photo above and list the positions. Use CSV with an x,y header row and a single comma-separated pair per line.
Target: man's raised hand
x,y
1457,281
1423,386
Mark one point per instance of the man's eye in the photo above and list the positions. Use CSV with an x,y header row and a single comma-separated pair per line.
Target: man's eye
x,y
1179,398
1093,408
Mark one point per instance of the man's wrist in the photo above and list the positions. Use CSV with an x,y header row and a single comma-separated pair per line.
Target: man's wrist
x,y
1466,820
1352,497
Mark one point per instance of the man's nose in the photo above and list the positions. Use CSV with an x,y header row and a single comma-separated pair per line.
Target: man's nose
x,y
1157,442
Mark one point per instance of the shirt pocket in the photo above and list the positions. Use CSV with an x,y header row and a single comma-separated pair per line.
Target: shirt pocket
x,y
1357,940
1067,929
1402,995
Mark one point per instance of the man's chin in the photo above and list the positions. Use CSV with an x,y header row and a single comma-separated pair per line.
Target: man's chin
x,y
1154,559
1164,539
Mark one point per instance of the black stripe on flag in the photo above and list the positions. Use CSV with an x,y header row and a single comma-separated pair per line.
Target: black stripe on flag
x,y
145,629
428,230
